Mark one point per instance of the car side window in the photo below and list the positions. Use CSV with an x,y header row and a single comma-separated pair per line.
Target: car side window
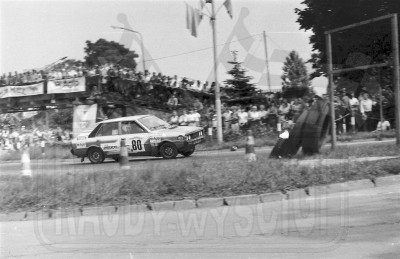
x,y
108,129
131,127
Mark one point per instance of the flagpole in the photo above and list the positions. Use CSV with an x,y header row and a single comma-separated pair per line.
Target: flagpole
x,y
217,91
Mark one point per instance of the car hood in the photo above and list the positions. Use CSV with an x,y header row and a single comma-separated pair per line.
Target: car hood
x,y
178,130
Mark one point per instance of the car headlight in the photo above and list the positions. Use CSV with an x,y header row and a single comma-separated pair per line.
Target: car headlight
x,y
181,138
188,137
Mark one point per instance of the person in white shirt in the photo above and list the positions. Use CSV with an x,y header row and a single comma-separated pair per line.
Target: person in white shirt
x,y
226,115
191,118
366,111
243,117
197,117
383,125
174,120
183,119
254,115
263,114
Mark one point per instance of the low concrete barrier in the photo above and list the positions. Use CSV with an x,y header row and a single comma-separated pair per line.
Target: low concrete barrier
x,y
242,200
337,187
296,194
318,191
185,204
210,202
271,197
360,184
388,180
165,205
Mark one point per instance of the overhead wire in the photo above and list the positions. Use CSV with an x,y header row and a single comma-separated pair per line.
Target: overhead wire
x,y
198,50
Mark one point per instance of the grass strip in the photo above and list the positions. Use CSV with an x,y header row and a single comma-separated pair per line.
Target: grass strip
x,y
182,179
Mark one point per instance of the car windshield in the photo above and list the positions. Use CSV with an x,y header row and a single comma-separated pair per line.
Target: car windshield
x,y
154,123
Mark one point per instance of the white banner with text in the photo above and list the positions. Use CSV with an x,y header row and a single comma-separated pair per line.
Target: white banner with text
x,y
21,90
68,85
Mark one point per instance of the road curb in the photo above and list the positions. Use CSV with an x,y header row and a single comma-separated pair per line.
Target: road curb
x,y
242,200
271,197
210,202
296,194
313,191
389,180
185,204
164,205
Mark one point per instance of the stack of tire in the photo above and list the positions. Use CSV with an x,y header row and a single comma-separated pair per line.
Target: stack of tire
x,y
309,132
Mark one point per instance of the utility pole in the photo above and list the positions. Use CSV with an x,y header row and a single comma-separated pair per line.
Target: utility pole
x,y
396,75
217,90
266,61
331,89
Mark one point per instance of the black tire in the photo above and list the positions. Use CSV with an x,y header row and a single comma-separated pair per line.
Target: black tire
x,y
316,128
188,153
96,155
168,150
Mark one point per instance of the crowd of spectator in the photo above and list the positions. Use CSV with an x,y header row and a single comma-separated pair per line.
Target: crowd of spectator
x,y
12,138
351,112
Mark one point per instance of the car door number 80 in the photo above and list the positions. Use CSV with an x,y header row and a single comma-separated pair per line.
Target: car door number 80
x,y
137,145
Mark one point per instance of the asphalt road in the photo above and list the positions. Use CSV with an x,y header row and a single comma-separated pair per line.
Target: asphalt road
x,y
356,224
74,165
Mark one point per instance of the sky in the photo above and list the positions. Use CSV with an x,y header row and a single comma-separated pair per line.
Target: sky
x,y
37,33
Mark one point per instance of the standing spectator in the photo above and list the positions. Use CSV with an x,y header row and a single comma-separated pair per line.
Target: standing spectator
x,y
283,110
243,117
263,114
235,119
345,98
226,115
190,118
355,106
174,120
254,116
273,116
366,111
172,102
183,118
197,117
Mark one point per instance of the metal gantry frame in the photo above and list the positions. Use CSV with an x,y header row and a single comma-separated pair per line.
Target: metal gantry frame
x,y
396,72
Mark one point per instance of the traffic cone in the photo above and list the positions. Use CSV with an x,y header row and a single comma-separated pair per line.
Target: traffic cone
x,y
250,153
123,156
26,163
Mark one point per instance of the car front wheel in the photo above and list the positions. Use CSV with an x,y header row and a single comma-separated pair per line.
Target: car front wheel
x,y
96,156
168,150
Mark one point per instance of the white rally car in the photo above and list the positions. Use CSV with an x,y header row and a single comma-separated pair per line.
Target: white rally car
x,y
145,135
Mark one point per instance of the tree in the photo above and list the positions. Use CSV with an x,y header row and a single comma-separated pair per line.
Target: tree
x,y
372,40
295,79
239,85
103,51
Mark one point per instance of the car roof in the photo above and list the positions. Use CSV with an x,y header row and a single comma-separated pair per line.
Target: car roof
x,y
128,118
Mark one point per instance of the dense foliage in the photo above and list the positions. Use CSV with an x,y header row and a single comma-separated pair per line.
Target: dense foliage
x,y
239,85
295,79
103,51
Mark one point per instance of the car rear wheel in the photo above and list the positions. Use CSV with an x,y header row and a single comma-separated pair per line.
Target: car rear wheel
x,y
189,152
96,156
168,150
